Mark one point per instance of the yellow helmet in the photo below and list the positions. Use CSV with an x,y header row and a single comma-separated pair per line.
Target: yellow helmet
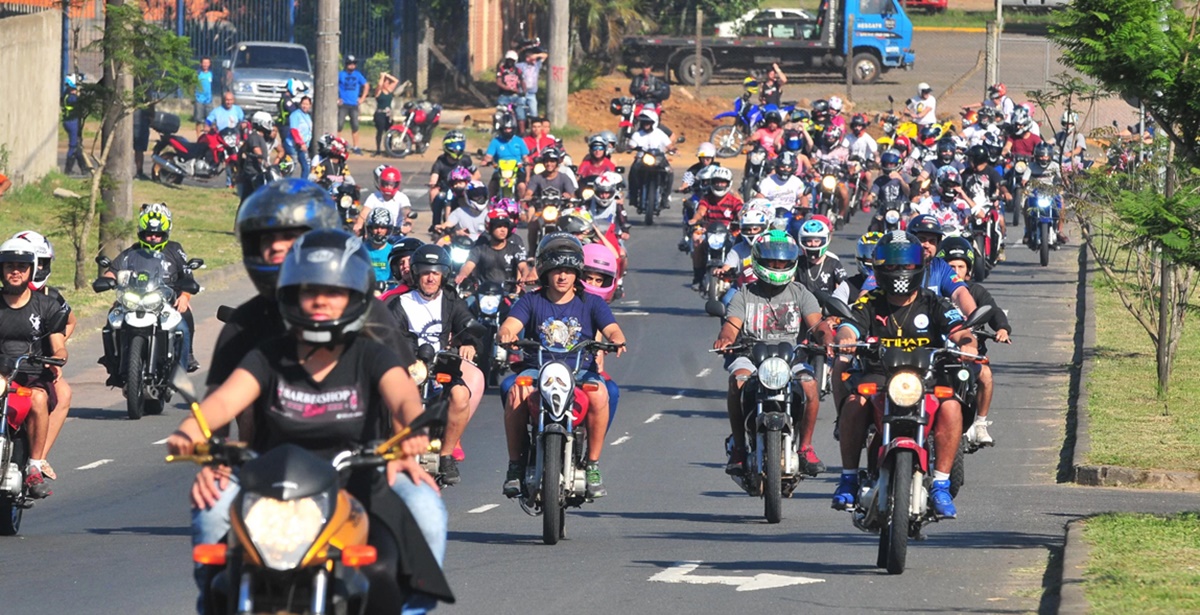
x,y
751,85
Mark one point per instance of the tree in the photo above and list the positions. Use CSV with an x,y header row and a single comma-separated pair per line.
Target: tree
x,y
159,63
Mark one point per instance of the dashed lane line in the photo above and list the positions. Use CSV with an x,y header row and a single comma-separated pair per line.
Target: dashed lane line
x,y
483,509
621,440
94,464
654,417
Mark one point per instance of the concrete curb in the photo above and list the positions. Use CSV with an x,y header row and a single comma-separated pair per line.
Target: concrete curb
x,y
1117,476
1072,600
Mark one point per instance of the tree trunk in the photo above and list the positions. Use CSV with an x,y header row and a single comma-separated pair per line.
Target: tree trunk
x,y
116,213
1166,297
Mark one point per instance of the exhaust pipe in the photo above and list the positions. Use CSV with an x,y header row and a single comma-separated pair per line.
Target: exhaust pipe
x,y
170,166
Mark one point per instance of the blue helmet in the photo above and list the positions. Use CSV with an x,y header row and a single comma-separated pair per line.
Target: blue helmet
x,y
69,82
899,262
925,223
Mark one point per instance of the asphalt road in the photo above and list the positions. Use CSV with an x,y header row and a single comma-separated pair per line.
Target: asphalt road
x,y
114,537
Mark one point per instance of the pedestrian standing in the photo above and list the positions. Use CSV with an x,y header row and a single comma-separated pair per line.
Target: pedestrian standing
x,y
204,101
228,115
384,92
300,129
923,107
530,68
352,91
512,88
72,121
142,118
771,90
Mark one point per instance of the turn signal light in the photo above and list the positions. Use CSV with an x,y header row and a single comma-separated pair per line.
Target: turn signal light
x,y
23,391
524,381
209,555
358,555
943,392
444,378
590,387
868,388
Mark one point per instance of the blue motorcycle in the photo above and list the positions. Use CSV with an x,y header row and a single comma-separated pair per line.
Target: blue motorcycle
x,y
1042,210
747,117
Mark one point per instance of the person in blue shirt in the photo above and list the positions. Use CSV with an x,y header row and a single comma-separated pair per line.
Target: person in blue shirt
x,y
507,146
228,115
72,121
560,316
300,130
379,245
203,104
352,91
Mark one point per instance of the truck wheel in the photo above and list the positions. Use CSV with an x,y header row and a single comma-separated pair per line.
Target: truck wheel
x,y
866,68
688,68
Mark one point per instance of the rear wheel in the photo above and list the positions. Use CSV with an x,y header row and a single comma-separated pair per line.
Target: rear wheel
x,y
867,68
553,509
163,175
979,270
773,469
398,143
710,288
958,472
895,533
728,140
135,375
623,139
1044,248
691,70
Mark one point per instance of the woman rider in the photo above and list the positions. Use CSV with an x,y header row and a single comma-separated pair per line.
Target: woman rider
x,y
324,290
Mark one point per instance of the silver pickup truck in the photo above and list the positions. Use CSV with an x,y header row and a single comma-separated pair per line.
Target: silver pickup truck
x,y
258,73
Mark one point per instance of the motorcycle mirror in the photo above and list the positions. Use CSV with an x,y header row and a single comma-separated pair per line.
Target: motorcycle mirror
x,y
196,263
225,313
190,287
103,261
890,99
621,170
412,215
682,139
980,315
714,308
479,152
103,284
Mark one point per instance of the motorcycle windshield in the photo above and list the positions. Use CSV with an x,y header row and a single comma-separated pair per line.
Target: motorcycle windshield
x,y
141,269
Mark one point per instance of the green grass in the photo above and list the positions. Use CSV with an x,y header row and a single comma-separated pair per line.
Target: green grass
x,y
202,222
1128,426
1143,563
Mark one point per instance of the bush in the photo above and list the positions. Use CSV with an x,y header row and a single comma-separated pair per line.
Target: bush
x,y
376,65
583,76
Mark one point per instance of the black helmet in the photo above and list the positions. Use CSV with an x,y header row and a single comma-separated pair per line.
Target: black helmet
x,y
288,204
772,116
889,161
404,247
785,164
820,110
551,154
957,249
945,151
477,193
558,251
899,262
430,256
978,154
332,258
925,223
1043,153
507,122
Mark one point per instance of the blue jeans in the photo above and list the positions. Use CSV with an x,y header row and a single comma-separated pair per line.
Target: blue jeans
x,y
531,103
186,348
209,526
518,103
302,159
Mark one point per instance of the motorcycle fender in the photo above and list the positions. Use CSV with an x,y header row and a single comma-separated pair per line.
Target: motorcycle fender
x,y
18,410
772,421
140,320
555,428
905,443
725,114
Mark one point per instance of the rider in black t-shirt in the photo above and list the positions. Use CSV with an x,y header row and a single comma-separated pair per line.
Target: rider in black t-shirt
x,y
498,256
453,157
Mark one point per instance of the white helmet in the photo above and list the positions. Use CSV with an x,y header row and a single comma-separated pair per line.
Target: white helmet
x,y
262,120
648,115
157,208
607,182
835,103
720,174
706,150
757,212
378,173
45,254
1070,117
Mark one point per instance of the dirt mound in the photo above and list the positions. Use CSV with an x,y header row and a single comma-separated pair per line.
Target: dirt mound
x,y
683,113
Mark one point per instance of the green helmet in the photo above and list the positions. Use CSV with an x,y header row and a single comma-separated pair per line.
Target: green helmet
x,y
774,245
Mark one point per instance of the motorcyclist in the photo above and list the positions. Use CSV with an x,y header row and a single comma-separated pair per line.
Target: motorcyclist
x,y
949,204
864,255
1022,139
835,113
862,145
549,183
960,255
738,263
773,308
889,187
324,302
254,157
442,176
379,246
820,115
783,188
718,205
387,195
458,181
936,275
507,146
648,87
154,252
329,167
1045,172
770,134
499,256
999,101
400,266
899,312
431,316
606,205
31,323
945,151
471,218
831,150
706,156
649,137
599,278
822,270
560,316
597,161
983,184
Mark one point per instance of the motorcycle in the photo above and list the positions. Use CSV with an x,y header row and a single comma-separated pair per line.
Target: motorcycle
x,y
719,243
414,130
827,191
860,184
432,372
175,157
894,494
747,117
1014,174
986,238
547,208
508,172
556,448
891,216
1042,209
758,166
628,108
14,443
298,539
490,307
143,339
651,170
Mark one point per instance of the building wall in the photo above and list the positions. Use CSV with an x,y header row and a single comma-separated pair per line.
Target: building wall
x,y
487,34
31,53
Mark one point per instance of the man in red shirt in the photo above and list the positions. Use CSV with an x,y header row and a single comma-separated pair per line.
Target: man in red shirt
x,y
539,138
718,205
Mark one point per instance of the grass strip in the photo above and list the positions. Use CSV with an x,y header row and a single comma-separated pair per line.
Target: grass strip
x,y
1143,563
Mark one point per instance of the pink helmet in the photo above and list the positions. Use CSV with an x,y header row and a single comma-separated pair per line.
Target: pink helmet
x,y
597,258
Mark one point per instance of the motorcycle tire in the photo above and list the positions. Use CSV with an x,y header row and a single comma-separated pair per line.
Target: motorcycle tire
x,y
1044,248
710,287
650,200
729,141
958,472
894,537
135,374
982,259
553,507
1018,203
10,513
773,476
398,144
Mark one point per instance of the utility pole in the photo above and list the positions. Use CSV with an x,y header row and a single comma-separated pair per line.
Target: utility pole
x,y
560,33
117,191
423,43
699,31
325,95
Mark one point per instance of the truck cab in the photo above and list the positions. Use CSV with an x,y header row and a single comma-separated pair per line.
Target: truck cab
x,y
882,37
257,73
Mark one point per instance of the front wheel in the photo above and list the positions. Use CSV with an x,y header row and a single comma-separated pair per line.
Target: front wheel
x,y
711,292
650,198
623,139
894,537
728,140
1018,204
1044,248
134,378
553,509
398,143
773,469
867,68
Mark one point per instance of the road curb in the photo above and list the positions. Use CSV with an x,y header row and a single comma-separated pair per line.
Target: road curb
x,y
1072,600
1118,476
1076,441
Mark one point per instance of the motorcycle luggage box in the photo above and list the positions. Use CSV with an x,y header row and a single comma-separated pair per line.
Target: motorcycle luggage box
x,y
165,123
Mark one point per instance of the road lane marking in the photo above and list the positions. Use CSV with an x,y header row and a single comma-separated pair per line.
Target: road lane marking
x,y
163,441
678,395
621,440
630,313
654,417
482,509
94,464
678,573
633,302
704,372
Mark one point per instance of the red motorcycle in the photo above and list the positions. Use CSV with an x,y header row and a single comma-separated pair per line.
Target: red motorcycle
x,y
414,130
176,158
628,108
14,445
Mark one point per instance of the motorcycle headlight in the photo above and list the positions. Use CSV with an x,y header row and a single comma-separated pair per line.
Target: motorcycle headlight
x,y
538,168
774,373
1020,166
130,300
587,193
829,183
892,216
507,173
458,255
550,213
489,304
231,141
649,160
3,384
346,201
284,530
758,157
419,372
716,241
1044,202
905,389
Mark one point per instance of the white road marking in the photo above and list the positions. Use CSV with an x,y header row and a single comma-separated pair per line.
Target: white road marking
x,y
678,573
678,395
94,464
630,313
632,302
704,372
621,440
654,417
483,509
163,441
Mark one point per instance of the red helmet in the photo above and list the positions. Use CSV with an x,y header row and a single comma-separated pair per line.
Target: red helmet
x,y
997,90
389,182
903,144
337,147
499,218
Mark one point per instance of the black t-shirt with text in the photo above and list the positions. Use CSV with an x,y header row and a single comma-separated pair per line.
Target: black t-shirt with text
x,y
499,266
927,321
444,165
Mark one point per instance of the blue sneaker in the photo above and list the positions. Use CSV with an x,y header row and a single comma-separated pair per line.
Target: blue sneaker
x,y
847,492
943,503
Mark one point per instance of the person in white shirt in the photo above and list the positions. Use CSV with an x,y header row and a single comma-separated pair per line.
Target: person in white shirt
x,y
862,145
782,188
388,196
470,219
998,99
650,137
923,107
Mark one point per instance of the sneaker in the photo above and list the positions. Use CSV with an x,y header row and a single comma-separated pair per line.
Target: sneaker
x,y
866,209
595,483
36,483
1000,254
48,471
193,364
846,493
357,150
448,468
458,453
943,503
512,480
978,434
810,463
737,461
